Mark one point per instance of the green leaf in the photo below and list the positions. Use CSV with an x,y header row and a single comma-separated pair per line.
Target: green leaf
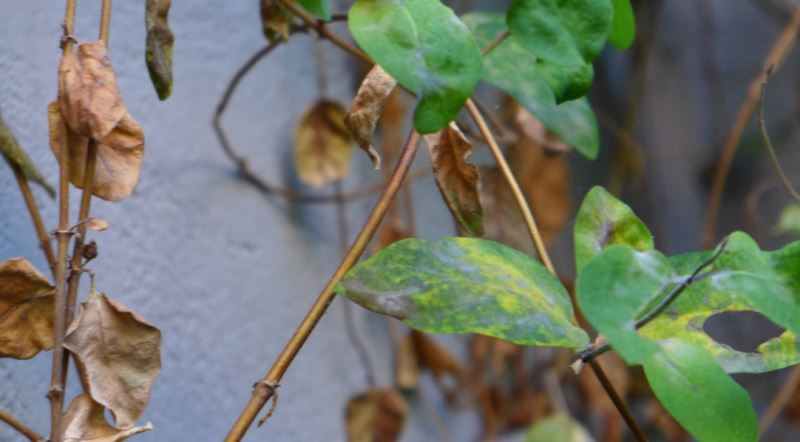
x,y
604,220
158,46
516,70
623,28
744,278
319,8
567,82
700,395
789,221
466,285
614,289
558,428
13,153
565,32
423,45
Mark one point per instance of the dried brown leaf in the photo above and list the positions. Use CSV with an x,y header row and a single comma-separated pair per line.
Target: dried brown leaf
x,y
276,20
26,310
366,110
502,221
440,362
160,39
119,155
118,356
376,416
96,224
88,94
13,152
85,421
322,144
406,364
456,178
528,126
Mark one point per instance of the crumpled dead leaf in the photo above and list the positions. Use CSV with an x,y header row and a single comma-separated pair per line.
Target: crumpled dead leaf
x,y
118,356
13,152
456,178
366,109
322,144
119,155
88,93
448,372
84,421
276,20
26,310
158,53
376,416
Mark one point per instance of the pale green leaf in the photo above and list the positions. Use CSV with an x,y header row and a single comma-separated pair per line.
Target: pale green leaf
x,y
14,154
614,289
566,32
603,220
623,28
698,393
423,45
514,69
320,8
558,428
466,285
789,221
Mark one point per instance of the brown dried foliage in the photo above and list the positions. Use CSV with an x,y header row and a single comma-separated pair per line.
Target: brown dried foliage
x,y
26,310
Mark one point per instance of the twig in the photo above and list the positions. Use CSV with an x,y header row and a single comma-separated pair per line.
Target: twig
x,y
762,126
787,390
56,391
349,321
617,400
261,394
775,58
23,429
36,216
595,351
495,42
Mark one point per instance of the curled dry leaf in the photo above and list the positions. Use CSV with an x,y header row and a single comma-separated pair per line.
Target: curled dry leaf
x,y
366,109
276,20
88,94
13,152
322,145
26,310
119,155
118,356
376,416
84,421
96,224
158,53
457,179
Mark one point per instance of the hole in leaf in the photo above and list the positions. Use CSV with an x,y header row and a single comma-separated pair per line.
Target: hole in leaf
x,y
743,331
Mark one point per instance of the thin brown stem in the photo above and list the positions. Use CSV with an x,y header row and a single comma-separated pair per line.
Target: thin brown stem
x,y
617,400
495,42
105,21
762,126
23,429
56,391
323,30
36,216
262,392
519,198
775,58
787,390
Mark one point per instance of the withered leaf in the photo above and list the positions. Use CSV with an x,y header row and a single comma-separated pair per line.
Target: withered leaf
x,y
322,144
366,110
502,221
88,93
276,20
158,52
84,421
456,178
96,224
26,310
440,362
406,364
13,152
376,416
118,356
119,155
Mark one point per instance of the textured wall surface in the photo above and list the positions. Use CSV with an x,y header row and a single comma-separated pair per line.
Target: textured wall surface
x,y
227,273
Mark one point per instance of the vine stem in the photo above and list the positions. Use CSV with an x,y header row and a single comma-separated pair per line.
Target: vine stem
x,y
23,429
775,58
530,222
265,389
56,392
762,127
36,216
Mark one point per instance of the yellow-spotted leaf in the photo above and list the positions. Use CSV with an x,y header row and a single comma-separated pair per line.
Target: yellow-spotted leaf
x,y
466,285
